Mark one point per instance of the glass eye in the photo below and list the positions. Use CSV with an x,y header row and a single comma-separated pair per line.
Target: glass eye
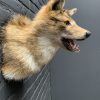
x,y
67,22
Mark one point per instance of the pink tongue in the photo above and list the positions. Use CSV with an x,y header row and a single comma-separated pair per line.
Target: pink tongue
x,y
74,46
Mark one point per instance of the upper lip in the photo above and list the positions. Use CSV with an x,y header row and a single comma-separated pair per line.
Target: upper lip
x,y
80,39
88,34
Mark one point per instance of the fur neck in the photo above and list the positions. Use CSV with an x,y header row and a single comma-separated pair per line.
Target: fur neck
x,y
47,50
43,44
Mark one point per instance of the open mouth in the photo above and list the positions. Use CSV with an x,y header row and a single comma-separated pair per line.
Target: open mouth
x,y
70,45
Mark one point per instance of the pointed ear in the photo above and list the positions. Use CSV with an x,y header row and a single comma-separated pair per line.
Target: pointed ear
x,y
72,11
56,4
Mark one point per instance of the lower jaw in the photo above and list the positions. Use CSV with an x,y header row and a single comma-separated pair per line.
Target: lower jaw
x,y
71,50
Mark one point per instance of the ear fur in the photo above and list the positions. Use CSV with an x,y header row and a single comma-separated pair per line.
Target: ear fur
x,y
52,5
72,11
56,4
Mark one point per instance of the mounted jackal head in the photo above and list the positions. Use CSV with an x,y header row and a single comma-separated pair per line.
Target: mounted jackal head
x,y
57,24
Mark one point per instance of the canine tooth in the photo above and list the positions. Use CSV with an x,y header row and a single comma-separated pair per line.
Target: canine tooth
x,y
78,46
77,51
75,46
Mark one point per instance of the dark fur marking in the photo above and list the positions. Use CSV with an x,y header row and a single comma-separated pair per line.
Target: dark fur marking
x,y
54,19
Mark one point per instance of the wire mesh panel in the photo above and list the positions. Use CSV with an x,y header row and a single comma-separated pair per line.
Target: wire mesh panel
x,y
35,87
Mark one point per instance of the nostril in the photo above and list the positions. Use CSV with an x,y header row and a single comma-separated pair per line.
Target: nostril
x,y
88,35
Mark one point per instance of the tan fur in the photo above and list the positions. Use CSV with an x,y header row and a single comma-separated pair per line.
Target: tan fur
x,y
29,44
17,26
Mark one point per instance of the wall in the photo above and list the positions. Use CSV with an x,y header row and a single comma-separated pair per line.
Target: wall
x,y
35,87
76,76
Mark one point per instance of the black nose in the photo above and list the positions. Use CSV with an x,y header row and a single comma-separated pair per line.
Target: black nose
x,y
88,35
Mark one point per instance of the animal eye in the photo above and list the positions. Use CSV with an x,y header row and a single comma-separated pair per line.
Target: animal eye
x,y
67,22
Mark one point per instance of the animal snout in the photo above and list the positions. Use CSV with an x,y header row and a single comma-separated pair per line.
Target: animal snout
x,y
88,34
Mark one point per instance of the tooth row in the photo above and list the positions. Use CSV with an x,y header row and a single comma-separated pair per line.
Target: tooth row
x,y
77,48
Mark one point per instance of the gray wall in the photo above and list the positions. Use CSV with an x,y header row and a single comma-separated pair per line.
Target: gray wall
x,y
77,76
